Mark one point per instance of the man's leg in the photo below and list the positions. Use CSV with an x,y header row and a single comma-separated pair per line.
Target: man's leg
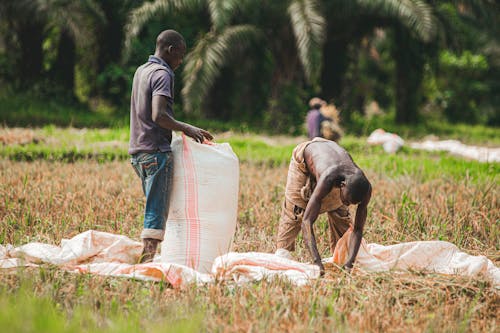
x,y
289,225
155,171
339,221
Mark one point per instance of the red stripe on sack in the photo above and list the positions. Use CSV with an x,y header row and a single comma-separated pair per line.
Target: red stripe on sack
x,y
191,208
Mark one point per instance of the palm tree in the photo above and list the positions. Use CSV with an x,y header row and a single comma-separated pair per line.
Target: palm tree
x,y
232,31
470,26
22,26
29,20
412,52
106,50
350,21
75,21
312,34
418,29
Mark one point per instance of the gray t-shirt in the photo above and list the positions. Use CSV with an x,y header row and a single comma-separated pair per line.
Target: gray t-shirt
x,y
153,78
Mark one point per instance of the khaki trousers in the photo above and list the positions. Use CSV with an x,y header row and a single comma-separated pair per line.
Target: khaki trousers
x,y
290,224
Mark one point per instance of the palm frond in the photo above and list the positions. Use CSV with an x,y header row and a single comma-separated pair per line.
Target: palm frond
x,y
210,54
417,15
221,11
74,16
309,28
139,16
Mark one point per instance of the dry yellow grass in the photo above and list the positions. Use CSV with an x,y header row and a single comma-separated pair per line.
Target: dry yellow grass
x,y
48,201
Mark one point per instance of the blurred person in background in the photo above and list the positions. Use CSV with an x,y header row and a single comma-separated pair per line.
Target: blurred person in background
x,y
314,118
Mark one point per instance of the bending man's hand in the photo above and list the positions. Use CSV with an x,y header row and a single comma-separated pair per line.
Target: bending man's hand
x,y
347,268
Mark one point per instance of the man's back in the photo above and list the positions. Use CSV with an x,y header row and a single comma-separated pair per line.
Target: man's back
x,y
145,135
323,155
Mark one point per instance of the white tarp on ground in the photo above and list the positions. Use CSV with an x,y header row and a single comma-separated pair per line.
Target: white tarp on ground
x,y
392,143
431,256
481,154
108,254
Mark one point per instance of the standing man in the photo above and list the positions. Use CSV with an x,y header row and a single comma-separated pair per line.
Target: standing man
x,y
151,124
322,177
314,118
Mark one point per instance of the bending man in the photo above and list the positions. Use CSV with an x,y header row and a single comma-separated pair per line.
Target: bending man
x,y
322,177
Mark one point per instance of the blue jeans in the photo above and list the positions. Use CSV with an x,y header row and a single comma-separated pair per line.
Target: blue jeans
x,y
155,171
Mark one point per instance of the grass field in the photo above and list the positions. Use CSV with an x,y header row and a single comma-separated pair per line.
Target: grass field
x,y
417,196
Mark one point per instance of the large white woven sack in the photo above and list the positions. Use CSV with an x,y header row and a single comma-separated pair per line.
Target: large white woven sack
x,y
203,204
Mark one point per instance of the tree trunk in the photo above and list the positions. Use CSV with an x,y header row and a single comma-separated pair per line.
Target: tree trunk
x,y
109,42
335,63
29,65
111,34
282,114
63,72
409,57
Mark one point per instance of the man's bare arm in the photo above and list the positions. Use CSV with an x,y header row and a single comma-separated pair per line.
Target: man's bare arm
x,y
323,187
357,234
162,118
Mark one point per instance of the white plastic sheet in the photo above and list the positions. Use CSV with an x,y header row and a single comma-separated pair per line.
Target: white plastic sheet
x,y
481,154
431,256
114,255
392,143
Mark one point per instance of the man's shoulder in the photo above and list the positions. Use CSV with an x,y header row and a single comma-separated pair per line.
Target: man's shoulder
x,y
153,72
153,68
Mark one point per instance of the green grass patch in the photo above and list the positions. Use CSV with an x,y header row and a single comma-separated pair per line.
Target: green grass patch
x,y
70,145
30,110
425,166
65,154
256,151
23,310
466,133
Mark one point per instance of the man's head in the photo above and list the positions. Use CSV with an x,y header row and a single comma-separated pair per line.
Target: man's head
x,y
354,188
171,47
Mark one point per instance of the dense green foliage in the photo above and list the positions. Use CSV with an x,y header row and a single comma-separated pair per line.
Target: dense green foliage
x,y
258,62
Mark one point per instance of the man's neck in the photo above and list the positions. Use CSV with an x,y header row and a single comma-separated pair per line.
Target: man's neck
x,y
157,54
162,61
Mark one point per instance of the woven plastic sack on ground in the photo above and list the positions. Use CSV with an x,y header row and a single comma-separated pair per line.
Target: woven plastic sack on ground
x,y
107,254
256,266
100,253
432,256
203,206
115,255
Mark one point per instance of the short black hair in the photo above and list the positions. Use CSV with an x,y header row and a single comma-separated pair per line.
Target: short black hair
x,y
169,37
358,186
